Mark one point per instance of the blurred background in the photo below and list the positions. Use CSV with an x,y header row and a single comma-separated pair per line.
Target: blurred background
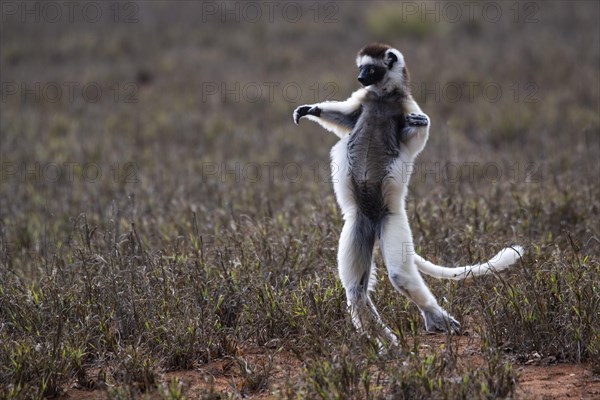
x,y
182,105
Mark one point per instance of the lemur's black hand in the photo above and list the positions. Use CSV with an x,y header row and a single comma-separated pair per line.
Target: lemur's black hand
x,y
305,110
414,119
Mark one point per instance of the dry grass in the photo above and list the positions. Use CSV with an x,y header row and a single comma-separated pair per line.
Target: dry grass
x,y
187,225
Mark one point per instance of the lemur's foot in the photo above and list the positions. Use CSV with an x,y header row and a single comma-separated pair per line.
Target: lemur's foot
x,y
414,119
303,111
440,321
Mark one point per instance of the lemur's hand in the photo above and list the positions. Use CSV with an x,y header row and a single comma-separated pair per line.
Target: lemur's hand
x,y
414,119
303,111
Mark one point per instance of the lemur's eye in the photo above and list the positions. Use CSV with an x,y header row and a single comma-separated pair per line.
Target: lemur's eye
x,y
372,71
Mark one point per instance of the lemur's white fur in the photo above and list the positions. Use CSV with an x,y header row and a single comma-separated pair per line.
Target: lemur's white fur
x,y
504,259
396,241
344,107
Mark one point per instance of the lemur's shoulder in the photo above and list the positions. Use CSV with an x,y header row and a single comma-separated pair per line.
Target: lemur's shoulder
x,y
361,95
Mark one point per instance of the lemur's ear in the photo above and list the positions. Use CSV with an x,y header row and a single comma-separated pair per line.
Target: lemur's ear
x,y
390,59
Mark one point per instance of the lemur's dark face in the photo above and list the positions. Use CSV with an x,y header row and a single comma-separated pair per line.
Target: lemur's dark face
x,y
381,67
370,74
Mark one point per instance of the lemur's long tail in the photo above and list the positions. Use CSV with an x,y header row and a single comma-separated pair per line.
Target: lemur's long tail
x,y
504,259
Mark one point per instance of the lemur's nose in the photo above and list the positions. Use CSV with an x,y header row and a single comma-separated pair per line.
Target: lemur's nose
x,y
365,75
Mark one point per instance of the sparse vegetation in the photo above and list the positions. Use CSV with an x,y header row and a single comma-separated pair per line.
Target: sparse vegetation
x,y
168,227
392,21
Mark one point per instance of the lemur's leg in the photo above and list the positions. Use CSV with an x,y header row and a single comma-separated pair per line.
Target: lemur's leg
x,y
354,261
398,253
354,264
338,117
383,330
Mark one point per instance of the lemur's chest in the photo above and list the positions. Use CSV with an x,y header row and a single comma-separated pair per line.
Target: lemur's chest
x,y
375,142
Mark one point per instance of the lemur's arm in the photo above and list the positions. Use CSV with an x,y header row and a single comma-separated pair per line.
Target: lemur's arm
x,y
416,132
338,117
